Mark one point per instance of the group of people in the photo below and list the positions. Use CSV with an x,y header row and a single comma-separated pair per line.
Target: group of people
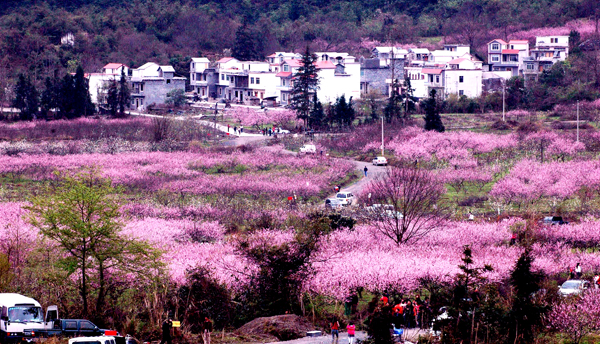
x,y
409,313
236,130
270,131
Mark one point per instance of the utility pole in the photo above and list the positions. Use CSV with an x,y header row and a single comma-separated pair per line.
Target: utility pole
x,y
577,120
503,100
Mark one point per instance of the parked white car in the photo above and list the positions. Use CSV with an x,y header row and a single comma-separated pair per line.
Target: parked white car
x,y
573,287
345,198
92,340
333,203
380,160
308,149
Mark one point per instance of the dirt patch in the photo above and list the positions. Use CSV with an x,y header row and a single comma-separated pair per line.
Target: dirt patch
x,y
282,327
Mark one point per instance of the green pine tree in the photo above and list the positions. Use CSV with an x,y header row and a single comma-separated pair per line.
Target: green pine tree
x,y
112,98
246,46
49,100
432,107
317,114
306,84
124,95
26,98
82,102
65,97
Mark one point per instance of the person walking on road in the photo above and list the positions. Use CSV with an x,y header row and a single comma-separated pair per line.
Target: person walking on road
x,y
207,328
166,331
351,331
366,170
335,331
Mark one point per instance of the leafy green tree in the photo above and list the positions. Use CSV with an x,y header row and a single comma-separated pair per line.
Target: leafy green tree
x,y
176,98
81,214
124,95
408,98
26,98
432,107
306,84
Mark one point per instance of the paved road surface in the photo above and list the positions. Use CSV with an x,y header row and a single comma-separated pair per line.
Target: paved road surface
x,y
326,339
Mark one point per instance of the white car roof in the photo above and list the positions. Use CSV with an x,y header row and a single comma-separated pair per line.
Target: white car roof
x,y
11,299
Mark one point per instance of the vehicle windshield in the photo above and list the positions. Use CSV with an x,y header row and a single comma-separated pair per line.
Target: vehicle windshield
x,y
570,285
25,314
341,195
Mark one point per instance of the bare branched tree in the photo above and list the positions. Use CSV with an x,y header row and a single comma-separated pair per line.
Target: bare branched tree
x,y
406,203
162,128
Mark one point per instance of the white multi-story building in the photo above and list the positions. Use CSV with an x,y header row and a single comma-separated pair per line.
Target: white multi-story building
x,y
243,81
387,54
508,56
150,84
98,82
202,77
335,79
463,77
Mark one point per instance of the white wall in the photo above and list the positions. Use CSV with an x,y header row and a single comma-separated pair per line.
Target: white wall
x,y
471,85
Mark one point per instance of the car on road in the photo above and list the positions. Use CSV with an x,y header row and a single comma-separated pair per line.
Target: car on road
x,y
345,197
380,160
333,203
93,340
308,149
573,287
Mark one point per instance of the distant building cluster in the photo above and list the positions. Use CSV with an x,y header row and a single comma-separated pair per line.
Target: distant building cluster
x,y
452,70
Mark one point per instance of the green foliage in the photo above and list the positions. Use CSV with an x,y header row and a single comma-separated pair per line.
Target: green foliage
x,y
432,107
112,98
26,98
81,214
203,297
526,314
124,95
49,100
176,98
248,45
343,112
282,268
306,84
317,114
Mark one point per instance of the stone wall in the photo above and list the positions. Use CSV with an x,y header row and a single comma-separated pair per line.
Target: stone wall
x,y
374,76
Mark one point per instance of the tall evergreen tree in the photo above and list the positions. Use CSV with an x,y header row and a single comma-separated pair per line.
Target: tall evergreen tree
x,y
432,107
408,99
49,98
246,46
66,91
26,98
306,84
112,98
393,108
526,314
82,102
317,114
344,112
124,95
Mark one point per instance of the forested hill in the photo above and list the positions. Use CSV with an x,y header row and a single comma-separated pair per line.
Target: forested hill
x,y
134,32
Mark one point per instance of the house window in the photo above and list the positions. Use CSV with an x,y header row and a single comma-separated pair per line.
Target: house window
x,y
282,82
220,91
258,81
495,58
193,76
431,78
284,97
286,68
461,78
142,87
512,46
437,78
495,46
461,92
252,80
529,66
422,77
227,78
514,58
222,76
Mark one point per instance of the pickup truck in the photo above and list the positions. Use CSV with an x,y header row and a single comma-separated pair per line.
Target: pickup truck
x,y
70,328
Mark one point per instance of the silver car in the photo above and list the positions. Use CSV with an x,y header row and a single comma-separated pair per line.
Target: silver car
x,y
333,203
573,287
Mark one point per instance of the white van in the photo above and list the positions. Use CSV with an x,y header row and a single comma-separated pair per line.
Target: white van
x,y
19,313
93,340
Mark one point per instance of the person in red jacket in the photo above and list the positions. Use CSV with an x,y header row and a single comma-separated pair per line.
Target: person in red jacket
x,y
335,331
